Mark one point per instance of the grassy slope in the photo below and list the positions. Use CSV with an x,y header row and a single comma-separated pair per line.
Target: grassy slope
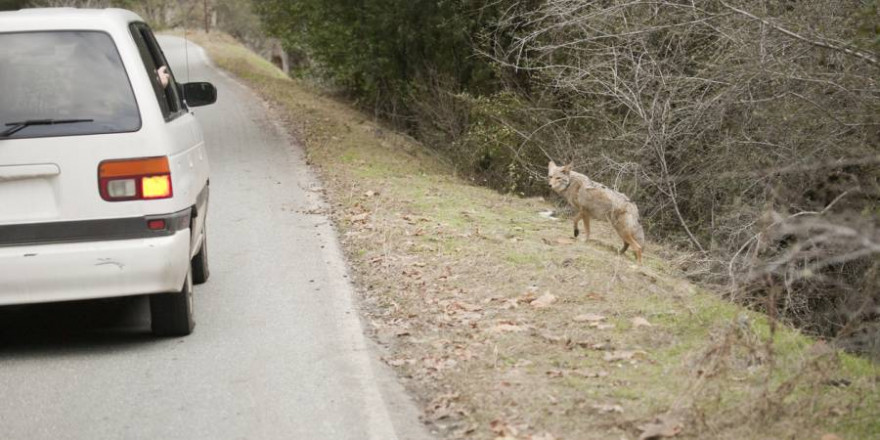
x,y
448,271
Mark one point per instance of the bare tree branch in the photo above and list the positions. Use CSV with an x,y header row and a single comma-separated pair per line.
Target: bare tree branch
x,y
818,43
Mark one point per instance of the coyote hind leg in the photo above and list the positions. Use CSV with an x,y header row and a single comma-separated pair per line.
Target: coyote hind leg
x,y
637,248
630,240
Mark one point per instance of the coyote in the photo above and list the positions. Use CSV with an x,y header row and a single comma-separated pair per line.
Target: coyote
x,y
594,200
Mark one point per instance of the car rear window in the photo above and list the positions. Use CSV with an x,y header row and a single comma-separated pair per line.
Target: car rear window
x,y
64,76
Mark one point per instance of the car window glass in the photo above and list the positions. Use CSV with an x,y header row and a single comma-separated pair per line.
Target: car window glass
x,y
151,67
64,75
172,93
168,97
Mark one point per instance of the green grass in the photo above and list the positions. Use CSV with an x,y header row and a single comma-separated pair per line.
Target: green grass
x,y
453,264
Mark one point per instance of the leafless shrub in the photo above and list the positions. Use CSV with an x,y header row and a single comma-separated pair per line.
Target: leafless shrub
x,y
746,130
736,354
440,112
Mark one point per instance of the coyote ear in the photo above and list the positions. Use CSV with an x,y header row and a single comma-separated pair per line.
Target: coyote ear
x,y
551,165
567,169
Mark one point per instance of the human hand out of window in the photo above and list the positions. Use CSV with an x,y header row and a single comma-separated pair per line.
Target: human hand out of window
x,y
164,76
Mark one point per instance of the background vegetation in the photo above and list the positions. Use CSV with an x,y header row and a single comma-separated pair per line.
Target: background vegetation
x,y
747,131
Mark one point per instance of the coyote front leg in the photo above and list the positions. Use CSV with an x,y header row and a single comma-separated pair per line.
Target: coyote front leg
x,y
585,216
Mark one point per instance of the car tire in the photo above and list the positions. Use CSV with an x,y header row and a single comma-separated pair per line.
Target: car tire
x,y
200,269
171,314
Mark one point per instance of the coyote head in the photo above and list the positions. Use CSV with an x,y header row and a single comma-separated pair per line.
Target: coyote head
x,y
559,177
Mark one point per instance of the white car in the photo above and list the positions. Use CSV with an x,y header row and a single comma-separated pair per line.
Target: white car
x,y
103,169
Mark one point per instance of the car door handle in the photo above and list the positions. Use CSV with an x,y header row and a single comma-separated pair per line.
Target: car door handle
x,y
21,172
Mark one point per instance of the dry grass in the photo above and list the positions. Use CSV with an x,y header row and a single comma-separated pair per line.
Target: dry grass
x,y
449,274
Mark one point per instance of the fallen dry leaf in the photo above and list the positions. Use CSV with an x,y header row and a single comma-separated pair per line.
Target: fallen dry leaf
x,y
443,407
623,355
553,338
590,374
510,304
502,429
580,373
506,328
400,362
544,300
360,217
466,431
838,412
523,363
466,306
607,409
435,364
661,427
589,317
640,322
599,346
527,298
602,326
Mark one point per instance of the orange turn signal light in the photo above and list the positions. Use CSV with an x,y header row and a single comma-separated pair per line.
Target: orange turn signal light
x,y
135,179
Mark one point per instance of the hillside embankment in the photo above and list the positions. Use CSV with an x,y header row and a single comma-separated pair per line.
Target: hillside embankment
x,y
503,326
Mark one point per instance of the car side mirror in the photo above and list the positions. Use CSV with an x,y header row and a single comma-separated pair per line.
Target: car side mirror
x,y
197,94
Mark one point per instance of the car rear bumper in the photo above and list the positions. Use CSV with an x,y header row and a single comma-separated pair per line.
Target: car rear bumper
x,y
94,269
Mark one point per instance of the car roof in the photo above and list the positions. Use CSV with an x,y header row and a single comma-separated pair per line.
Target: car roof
x,y
42,19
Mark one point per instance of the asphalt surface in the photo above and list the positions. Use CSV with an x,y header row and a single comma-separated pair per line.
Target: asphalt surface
x,y
278,350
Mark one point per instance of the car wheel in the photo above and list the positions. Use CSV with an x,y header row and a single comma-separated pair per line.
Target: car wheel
x,y
172,313
200,269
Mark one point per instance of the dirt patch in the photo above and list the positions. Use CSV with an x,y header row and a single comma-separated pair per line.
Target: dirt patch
x,y
506,327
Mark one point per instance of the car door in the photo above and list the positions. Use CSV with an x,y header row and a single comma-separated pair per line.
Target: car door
x,y
188,154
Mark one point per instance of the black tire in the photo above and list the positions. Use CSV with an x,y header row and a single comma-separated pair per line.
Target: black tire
x,y
200,269
172,313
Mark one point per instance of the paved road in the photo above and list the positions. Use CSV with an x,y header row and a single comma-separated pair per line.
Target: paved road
x,y
278,350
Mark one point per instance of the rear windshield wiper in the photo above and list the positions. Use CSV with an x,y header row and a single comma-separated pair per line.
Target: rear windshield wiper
x,y
17,126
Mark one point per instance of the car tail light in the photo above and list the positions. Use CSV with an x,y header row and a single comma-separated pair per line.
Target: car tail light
x,y
135,179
